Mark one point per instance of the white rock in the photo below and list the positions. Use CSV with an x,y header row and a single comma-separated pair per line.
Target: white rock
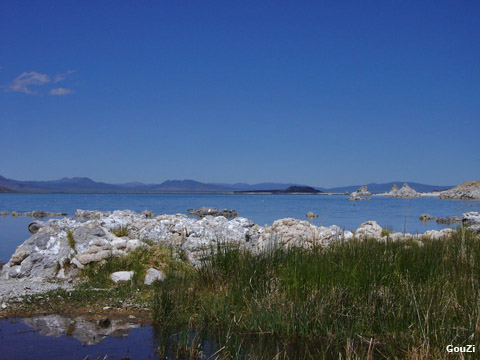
x,y
121,276
471,217
362,191
77,263
61,274
153,275
369,229
119,243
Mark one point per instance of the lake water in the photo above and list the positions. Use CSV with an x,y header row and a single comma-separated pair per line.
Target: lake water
x,y
398,214
21,339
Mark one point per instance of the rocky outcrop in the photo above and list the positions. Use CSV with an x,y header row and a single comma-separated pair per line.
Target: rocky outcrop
x,y
35,214
404,192
60,247
207,211
467,191
91,214
440,220
426,217
362,191
448,220
356,198
42,214
369,229
290,232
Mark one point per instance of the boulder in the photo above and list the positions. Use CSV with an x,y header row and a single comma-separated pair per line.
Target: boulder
x,y
153,275
39,214
426,217
121,276
472,221
18,257
471,217
147,214
369,229
35,226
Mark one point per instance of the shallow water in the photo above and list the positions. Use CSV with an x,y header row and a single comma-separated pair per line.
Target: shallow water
x,y
398,214
39,338
60,337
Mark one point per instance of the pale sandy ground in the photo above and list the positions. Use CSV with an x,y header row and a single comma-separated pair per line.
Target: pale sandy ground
x,y
12,288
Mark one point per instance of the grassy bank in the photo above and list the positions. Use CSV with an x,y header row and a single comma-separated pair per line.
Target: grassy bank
x,y
353,300
360,299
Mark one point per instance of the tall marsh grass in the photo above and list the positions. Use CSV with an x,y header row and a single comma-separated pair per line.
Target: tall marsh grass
x,y
354,299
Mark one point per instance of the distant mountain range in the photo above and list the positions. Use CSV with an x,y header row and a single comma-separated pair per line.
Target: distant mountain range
x,y
87,185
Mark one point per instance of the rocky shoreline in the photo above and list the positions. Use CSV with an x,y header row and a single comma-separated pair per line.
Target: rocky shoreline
x,y
469,190
59,248
54,256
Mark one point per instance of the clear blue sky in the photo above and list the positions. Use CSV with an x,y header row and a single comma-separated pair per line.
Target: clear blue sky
x,y
323,93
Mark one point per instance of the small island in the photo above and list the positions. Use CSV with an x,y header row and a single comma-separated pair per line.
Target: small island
x,y
290,190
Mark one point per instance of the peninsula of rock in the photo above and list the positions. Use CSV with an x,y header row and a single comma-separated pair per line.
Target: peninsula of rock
x,y
469,190
58,248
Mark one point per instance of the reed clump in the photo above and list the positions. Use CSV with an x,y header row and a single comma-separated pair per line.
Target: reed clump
x,y
361,299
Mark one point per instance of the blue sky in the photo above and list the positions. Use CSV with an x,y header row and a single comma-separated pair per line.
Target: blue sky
x,y
322,93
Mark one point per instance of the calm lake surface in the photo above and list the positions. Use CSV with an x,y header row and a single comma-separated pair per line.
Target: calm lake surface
x,y
398,214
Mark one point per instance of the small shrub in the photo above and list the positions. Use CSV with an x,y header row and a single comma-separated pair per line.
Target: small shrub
x,y
387,231
120,231
71,240
149,242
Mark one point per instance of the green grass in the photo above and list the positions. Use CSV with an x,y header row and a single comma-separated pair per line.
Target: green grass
x,y
71,240
139,261
120,231
386,300
387,231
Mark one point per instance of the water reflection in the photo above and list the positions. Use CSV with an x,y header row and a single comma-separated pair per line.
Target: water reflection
x,y
60,337
85,330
